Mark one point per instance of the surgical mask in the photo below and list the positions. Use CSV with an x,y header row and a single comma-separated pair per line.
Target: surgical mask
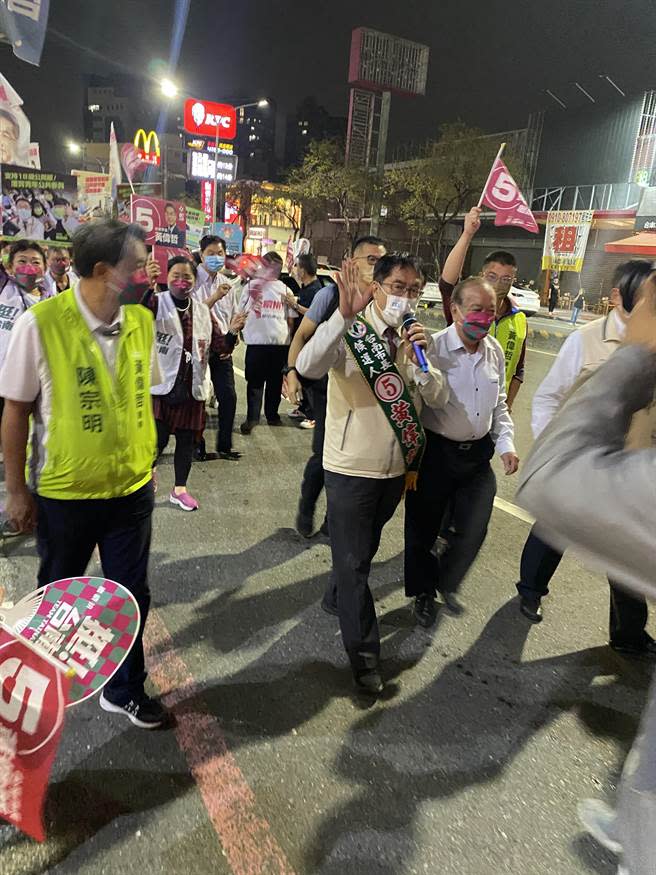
x,y
135,287
396,308
37,212
214,262
5,259
58,268
180,288
476,325
27,276
24,214
366,273
59,212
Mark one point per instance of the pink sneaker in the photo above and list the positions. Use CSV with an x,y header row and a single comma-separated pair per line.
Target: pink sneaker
x,y
184,501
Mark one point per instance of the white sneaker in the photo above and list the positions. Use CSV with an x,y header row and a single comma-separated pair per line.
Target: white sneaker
x,y
598,819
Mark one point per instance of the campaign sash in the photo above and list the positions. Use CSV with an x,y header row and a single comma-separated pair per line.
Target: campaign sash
x,y
391,393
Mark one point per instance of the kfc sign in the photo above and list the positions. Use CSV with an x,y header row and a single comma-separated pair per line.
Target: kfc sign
x,y
202,118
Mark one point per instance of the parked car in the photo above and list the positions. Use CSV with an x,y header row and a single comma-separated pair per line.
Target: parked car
x,y
526,300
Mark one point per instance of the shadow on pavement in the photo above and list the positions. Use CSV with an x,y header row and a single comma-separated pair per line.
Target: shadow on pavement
x,y
462,730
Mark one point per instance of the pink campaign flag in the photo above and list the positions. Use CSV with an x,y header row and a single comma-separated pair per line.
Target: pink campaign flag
x,y
289,256
502,194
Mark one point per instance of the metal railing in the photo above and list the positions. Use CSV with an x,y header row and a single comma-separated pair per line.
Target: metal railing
x,y
605,196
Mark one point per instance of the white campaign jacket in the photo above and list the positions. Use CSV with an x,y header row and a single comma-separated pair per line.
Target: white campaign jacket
x,y
169,343
12,305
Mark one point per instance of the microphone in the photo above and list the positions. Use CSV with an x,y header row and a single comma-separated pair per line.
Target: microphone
x,y
419,350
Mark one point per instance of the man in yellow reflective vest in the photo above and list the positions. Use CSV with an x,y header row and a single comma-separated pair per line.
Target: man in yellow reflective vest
x,y
80,365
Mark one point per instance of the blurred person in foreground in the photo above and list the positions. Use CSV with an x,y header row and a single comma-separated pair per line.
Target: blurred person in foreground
x,y
374,438
581,483
582,353
77,386
365,253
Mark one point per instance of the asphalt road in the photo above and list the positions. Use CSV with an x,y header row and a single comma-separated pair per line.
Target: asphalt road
x,y
473,762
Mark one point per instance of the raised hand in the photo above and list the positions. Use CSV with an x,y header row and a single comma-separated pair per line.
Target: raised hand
x,y
351,299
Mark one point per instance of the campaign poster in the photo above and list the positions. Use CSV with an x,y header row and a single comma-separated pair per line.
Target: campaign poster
x,y
86,625
165,222
38,205
195,227
124,192
94,194
232,234
565,239
32,706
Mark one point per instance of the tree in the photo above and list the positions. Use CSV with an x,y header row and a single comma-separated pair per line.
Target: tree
x,y
428,193
241,194
325,184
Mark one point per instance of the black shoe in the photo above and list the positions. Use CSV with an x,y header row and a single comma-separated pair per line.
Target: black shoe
x,y
425,610
531,608
144,712
229,455
199,454
324,528
452,603
645,649
247,427
329,607
366,674
276,421
305,524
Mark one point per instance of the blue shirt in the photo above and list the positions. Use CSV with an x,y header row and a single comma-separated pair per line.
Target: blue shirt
x,y
323,305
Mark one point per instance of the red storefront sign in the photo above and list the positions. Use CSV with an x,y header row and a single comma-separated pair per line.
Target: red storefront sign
x,y
202,118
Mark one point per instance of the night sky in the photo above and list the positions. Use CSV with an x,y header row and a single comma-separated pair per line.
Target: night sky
x,y
490,61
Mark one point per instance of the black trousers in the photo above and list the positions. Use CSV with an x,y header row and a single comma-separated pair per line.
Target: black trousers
x,y
264,364
68,531
223,380
358,508
184,449
313,476
456,475
628,612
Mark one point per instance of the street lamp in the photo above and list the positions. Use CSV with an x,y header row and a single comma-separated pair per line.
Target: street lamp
x,y
169,88
73,147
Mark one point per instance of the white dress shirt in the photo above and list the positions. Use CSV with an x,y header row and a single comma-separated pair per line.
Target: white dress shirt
x,y
225,309
477,391
564,373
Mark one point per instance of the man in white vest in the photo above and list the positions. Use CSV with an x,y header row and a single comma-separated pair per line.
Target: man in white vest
x,y
581,354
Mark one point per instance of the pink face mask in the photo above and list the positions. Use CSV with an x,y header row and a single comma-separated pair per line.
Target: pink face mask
x,y
27,276
476,325
180,287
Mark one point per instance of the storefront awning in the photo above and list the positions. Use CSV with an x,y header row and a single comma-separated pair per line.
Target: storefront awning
x,y
642,243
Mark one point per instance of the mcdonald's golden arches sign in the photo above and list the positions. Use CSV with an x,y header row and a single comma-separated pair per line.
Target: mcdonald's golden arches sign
x,y
147,146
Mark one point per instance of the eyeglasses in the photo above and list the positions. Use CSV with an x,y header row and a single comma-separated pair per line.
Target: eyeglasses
x,y
498,280
402,289
370,259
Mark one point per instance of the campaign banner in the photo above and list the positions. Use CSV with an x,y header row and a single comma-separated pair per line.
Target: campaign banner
x,y
34,159
207,198
85,624
38,205
165,222
565,239
232,234
94,194
14,126
34,694
195,227
124,192
23,24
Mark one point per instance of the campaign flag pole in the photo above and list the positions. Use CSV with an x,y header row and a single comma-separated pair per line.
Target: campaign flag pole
x,y
489,176
114,161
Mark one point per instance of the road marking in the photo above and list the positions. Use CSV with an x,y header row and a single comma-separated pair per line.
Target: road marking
x,y
541,351
513,509
246,837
